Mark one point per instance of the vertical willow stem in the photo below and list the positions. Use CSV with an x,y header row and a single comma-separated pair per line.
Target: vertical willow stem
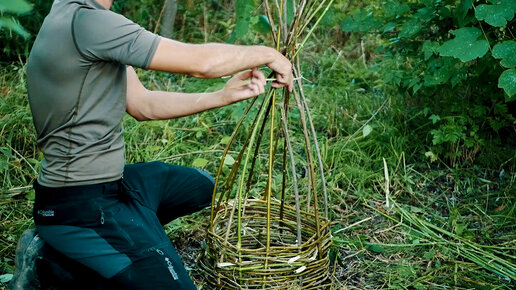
x,y
311,168
242,176
231,139
269,179
316,145
294,176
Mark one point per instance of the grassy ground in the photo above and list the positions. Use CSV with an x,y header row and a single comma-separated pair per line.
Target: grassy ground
x,y
443,227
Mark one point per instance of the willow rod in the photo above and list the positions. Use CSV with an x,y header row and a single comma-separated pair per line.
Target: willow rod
x,y
314,135
241,184
294,176
231,139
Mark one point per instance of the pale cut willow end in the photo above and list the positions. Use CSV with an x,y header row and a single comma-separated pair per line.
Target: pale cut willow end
x,y
269,224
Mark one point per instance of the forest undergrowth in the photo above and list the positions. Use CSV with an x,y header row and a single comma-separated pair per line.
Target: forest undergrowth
x,y
401,218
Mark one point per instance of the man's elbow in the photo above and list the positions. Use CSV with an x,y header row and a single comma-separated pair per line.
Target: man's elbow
x,y
203,70
139,109
140,118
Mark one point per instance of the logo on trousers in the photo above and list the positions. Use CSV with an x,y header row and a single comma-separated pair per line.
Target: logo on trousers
x,y
46,213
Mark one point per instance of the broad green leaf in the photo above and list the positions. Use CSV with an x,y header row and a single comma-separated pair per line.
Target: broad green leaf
x,y
262,25
507,82
243,10
15,6
465,46
330,18
229,160
225,140
410,28
425,14
389,27
395,9
199,162
367,130
498,13
10,24
443,73
462,10
5,278
430,48
361,20
507,52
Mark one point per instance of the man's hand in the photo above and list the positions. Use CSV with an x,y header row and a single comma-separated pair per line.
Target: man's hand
x,y
243,86
283,69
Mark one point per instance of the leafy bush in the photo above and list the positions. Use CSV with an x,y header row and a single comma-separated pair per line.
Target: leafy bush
x,y
25,22
455,61
8,21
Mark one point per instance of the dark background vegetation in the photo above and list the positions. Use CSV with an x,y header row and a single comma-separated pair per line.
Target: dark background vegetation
x,y
384,94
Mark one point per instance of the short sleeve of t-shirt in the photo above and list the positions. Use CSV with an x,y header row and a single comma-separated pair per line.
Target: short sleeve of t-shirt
x,y
102,35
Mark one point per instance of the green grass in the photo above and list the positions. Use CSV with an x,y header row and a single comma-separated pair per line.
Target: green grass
x,y
430,235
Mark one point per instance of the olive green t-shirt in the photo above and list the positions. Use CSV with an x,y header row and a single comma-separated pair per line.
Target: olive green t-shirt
x,y
76,77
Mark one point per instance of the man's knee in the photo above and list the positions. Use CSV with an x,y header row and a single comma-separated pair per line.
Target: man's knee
x,y
206,192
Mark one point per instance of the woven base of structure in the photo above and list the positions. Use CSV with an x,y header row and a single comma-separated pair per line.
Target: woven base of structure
x,y
286,265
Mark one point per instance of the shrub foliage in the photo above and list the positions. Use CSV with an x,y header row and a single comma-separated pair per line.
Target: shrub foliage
x,y
455,58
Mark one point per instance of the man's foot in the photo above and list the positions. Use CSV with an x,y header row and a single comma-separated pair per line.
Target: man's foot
x,y
25,276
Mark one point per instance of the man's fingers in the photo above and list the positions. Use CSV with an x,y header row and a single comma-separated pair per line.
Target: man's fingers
x,y
245,75
258,74
255,81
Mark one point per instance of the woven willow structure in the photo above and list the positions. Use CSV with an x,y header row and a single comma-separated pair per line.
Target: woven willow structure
x,y
269,223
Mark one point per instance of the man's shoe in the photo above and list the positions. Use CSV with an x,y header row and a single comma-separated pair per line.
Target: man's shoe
x,y
25,275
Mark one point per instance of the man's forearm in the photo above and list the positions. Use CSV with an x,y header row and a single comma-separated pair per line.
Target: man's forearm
x,y
161,105
224,59
209,60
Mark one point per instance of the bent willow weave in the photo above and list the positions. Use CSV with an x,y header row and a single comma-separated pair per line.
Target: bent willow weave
x,y
269,223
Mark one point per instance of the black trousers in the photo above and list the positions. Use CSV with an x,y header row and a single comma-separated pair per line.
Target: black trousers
x,y
115,228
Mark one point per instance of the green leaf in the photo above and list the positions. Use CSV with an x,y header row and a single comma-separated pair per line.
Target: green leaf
x,y
425,14
430,48
497,14
10,24
462,11
361,20
6,278
465,46
395,9
507,82
225,140
229,160
262,25
367,130
431,156
507,52
200,162
15,6
389,27
410,28
243,10
429,255
441,72
434,118
375,248
330,18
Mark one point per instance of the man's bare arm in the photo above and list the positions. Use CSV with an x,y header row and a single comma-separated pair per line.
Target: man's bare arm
x,y
214,60
144,104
